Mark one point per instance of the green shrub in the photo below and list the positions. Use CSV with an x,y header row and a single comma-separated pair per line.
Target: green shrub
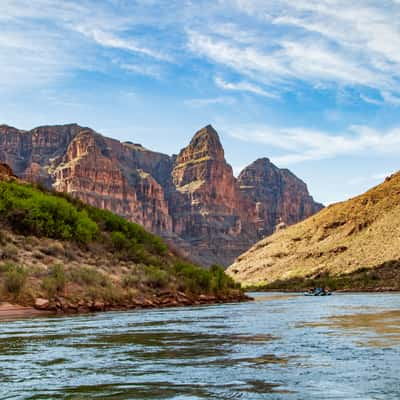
x,y
192,278
155,277
30,211
119,240
35,211
132,238
221,281
55,281
158,245
86,229
195,279
14,279
109,293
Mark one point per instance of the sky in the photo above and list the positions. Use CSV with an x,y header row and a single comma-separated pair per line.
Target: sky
x,y
314,85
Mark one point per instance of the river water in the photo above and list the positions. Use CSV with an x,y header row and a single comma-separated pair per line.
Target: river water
x,y
345,346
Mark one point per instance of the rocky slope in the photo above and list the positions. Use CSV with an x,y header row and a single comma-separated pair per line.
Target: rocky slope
x,y
61,255
350,245
192,200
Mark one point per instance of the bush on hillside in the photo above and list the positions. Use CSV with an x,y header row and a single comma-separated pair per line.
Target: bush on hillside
x,y
155,277
129,233
15,277
86,276
55,282
195,279
35,211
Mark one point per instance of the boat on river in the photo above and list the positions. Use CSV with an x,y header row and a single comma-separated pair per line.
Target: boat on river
x,y
318,292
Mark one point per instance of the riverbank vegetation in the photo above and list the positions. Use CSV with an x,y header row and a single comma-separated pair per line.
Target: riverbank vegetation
x,y
71,255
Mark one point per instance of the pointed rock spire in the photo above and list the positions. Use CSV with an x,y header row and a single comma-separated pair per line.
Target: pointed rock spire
x,y
206,143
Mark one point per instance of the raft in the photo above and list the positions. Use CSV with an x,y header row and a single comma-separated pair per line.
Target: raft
x,y
318,292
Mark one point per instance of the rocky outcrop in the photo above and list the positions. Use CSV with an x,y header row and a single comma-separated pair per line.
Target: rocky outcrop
x,y
193,200
106,174
280,196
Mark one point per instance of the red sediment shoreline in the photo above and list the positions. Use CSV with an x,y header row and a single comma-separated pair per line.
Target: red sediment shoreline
x,y
15,311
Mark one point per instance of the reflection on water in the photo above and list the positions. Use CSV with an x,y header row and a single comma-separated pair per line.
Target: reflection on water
x,y
278,347
272,296
380,329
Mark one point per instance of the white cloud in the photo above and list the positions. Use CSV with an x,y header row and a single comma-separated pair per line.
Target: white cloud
x,y
108,39
31,57
332,43
390,98
46,40
274,46
244,87
289,61
246,60
197,103
303,144
370,100
153,71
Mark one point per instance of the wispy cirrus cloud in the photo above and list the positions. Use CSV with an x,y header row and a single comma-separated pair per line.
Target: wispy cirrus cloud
x,y
390,98
322,43
108,39
273,47
152,71
243,86
302,144
371,100
205,102
46,40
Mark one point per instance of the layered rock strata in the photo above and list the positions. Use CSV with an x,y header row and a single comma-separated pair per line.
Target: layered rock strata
x,y
193,200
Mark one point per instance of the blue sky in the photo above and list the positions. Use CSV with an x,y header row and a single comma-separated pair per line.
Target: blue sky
x,y
313,85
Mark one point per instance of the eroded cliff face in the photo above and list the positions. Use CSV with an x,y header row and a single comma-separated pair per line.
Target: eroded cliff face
x,y
279,195
208,209
193,200
100,171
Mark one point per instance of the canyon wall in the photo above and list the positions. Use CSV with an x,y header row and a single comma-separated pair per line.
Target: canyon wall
x,y
192,200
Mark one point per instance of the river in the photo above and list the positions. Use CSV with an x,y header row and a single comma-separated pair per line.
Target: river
x,y
345,346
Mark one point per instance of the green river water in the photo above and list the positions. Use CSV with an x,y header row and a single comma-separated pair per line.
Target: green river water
x,y
345,346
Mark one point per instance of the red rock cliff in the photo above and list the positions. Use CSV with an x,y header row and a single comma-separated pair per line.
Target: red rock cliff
x,y
279,195
208,209
193,200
